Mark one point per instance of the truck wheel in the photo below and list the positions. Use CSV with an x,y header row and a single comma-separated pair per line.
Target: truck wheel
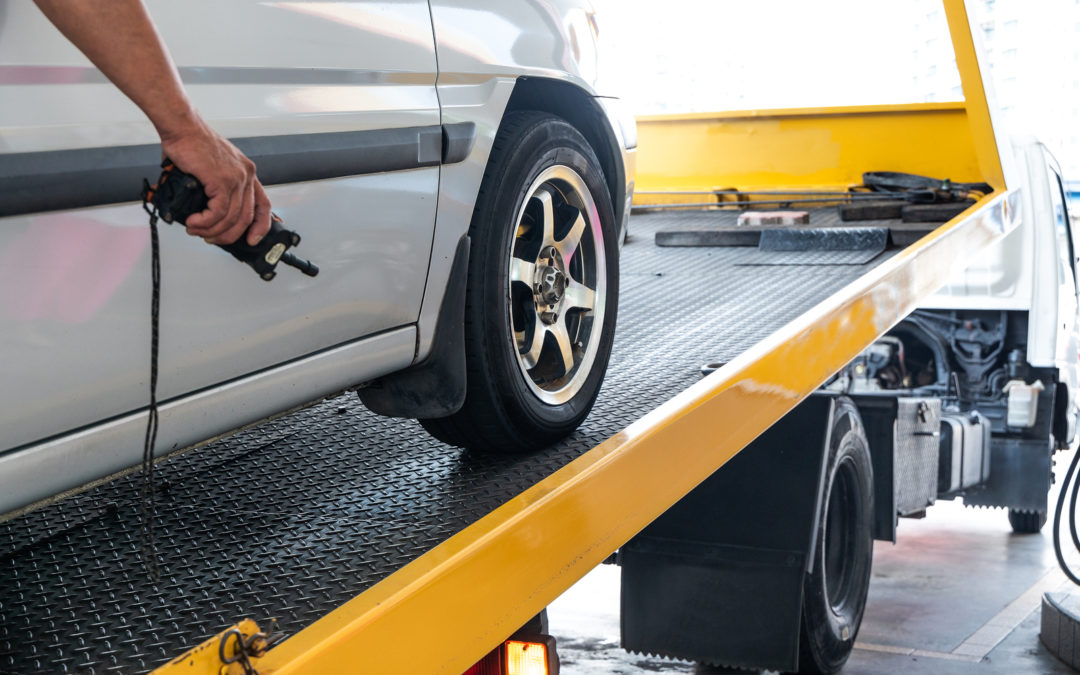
x,y
1027,522
834,595
542,290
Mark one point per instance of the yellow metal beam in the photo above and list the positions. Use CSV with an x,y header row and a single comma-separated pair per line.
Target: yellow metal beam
x,y
448,608
976,100
813,111
804,149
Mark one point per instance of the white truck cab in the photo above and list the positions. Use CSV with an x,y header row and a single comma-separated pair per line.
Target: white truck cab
x,y
998,347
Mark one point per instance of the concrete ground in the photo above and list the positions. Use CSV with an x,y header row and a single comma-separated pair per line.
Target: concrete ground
x,y
958,594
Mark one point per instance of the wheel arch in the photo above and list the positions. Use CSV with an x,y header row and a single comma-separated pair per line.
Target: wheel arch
x,y
581,110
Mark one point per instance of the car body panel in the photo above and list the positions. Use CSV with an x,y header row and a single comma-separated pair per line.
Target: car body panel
x,y
75,331
75,459
624,126
89,319
259,68
479,40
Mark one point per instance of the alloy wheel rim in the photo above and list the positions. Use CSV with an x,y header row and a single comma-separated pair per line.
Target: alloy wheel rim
x,y
557,285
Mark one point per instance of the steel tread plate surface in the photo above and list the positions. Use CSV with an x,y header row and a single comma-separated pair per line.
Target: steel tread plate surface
x,y
298,515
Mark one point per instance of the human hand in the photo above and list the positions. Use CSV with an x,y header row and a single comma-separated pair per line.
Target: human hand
x,y
237,202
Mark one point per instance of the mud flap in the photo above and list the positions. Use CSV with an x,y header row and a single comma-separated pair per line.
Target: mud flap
x,y
719,577
435,387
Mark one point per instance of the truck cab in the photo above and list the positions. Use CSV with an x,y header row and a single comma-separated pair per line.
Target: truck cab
x,y
994,353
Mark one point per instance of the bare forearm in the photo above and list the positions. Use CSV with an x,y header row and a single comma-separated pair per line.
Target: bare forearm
x,y
119,37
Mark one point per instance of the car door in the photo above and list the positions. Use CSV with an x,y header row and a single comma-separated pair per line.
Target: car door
x,y
319,91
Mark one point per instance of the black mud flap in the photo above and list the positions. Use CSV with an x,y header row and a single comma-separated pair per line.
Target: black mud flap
x,y
1021,460
1020,473
435,387
719,577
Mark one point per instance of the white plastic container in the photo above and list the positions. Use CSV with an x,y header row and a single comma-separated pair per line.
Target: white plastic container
x,y
1023,402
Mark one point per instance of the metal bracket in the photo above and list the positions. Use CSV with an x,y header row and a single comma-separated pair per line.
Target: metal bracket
x,y
234,651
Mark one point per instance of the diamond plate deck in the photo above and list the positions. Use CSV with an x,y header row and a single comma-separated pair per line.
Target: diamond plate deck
x,y
294,517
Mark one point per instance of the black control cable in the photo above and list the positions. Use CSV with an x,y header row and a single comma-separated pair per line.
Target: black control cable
x,y
147,496
1071,484
175,196
1071,487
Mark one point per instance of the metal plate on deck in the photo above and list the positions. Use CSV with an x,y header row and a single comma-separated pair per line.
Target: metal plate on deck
x,y
818,246
292,518
718,228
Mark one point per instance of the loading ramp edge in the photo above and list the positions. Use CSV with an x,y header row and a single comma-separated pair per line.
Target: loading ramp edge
x,y
446,609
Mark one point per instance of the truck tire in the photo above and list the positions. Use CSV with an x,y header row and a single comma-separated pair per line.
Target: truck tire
x,y
834,595
1027,522
542,290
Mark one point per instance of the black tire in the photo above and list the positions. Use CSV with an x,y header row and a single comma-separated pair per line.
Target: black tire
x,y
834,595
1027,522
504,410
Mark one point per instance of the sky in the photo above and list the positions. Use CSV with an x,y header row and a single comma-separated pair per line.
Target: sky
x,y
712,55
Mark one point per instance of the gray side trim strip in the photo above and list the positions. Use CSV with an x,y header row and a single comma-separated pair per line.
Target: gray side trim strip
x,y
458,140
32,182
40,75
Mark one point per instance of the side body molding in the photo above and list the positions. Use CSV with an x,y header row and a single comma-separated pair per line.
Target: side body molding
x,y
69,179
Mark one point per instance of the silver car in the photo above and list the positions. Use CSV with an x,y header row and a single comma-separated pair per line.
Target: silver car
x,y
453,167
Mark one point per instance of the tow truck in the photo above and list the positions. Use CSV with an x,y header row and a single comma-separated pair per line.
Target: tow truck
x,y
332,540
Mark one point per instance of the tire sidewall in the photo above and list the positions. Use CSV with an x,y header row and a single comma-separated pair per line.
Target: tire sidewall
x,y
831,635
545,143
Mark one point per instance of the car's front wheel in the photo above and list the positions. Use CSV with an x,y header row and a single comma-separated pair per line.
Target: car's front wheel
x,y
542,290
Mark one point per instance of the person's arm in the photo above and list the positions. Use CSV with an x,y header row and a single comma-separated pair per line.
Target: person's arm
x,y
119,37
